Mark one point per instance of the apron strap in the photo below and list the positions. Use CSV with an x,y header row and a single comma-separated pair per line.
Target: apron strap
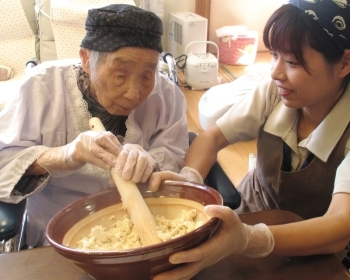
x,y
287,158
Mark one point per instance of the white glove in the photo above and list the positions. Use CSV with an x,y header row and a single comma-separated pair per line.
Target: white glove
x,y
134,163
186,174
192,175
98,148
231,237
260,241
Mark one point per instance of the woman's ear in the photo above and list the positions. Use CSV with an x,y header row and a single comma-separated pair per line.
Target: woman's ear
x,y
85,59
345,70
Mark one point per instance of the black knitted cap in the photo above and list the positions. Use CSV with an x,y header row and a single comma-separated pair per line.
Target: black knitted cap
x,y
112,27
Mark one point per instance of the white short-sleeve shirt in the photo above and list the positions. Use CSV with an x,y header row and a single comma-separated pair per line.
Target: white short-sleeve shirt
x,y
264,106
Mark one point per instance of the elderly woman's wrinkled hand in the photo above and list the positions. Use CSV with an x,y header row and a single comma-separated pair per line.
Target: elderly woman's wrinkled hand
x,y
134,163
98,148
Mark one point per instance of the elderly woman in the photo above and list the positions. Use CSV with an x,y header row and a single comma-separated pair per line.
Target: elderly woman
x,y
47,150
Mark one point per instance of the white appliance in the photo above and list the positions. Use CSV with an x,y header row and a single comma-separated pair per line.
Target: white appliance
x,y
202,69
184,28
216,101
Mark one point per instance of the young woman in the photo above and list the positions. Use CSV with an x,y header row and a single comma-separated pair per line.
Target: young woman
x,y
301,117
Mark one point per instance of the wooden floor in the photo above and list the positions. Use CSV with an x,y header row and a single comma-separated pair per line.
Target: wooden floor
x,y
235,158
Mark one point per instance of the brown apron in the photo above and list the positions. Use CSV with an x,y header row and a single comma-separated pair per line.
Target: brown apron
x,y
307,192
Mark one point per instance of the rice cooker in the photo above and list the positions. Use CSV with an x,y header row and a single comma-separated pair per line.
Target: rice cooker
x,y
201,68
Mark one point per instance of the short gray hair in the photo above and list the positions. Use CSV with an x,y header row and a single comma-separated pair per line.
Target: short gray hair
x,y
96,57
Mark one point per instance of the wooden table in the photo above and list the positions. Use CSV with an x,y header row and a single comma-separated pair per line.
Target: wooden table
x,y
234,159
44,263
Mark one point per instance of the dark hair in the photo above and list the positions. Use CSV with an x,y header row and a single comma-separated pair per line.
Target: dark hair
x,y
289,29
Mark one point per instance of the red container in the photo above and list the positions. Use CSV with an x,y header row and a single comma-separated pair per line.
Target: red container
x,y
238,50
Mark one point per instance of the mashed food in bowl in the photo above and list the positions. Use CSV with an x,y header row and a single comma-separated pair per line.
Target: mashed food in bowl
x,y
122,234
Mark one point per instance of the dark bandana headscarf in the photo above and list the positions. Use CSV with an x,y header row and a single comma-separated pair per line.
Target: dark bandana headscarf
x,y
332,15
112,27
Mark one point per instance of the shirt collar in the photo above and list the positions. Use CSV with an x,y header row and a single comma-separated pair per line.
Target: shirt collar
x,y
281,120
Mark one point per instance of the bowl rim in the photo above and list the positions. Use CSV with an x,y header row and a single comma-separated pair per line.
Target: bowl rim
x,y
134,251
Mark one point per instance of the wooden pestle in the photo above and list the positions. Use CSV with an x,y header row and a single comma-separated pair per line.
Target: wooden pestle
x,y
133,201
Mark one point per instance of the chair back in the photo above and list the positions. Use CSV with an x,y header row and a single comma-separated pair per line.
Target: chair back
x,y
12,225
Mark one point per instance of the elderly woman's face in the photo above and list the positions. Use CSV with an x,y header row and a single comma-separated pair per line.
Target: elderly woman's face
x,y
124,79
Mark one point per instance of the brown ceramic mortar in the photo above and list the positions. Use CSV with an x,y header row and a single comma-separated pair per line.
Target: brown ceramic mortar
x,y
140,263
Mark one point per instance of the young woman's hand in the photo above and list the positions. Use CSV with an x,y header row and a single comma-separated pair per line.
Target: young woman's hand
x,y
98,148
186,174
232,237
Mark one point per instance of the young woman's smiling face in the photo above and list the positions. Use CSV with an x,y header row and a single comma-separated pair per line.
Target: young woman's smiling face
x,y
123,79
317,87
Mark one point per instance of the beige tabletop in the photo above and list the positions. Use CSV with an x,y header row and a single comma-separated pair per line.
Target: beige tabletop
x,y
45,264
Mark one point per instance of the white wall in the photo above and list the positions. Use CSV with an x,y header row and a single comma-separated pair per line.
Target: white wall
x,y
252,13
173,6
